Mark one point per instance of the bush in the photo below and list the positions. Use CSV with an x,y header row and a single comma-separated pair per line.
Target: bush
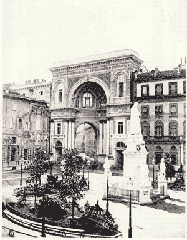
x,y
95,221
94,165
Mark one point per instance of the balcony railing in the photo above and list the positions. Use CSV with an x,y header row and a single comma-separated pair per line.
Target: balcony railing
x,y
164,138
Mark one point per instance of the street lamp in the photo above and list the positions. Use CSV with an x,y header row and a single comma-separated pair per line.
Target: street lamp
x,y
88,163
83,157
107,173
22,159
62,169
153,161
43,218
130,184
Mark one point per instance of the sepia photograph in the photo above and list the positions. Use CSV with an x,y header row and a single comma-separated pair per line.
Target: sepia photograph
x,y
93,119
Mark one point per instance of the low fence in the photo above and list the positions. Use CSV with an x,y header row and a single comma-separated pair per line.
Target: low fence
x,y
124,194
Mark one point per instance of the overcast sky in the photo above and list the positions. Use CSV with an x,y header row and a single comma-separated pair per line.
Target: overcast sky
x,y
37,33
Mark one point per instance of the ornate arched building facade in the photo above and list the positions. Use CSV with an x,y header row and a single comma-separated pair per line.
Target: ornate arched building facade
x,y
95,90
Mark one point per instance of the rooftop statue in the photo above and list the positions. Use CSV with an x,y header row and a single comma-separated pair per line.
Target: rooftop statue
x,y
135,128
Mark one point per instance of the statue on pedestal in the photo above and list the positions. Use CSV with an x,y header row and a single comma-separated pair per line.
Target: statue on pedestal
x,y
162,174
135,128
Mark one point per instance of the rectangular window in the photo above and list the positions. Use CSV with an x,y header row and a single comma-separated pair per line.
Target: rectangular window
x,y
58,128
184,87
120,89
158,110
172,87
20,123
145,90
145,111
60,95
13,140
25,154
120,127
173,109
41,93
159,89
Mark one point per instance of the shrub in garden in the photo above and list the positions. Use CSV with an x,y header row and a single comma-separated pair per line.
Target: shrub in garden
x,y
95,220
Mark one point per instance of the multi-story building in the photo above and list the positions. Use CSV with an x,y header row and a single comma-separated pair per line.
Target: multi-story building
x,y
162,102
25,127
93,90
36,89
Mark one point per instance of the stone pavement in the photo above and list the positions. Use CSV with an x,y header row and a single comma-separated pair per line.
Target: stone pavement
x,y
147,222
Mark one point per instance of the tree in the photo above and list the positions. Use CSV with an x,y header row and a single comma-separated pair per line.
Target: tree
x,y
71,185
38,166
170,169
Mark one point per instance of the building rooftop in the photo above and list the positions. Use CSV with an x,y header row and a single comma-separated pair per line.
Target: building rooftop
x,y
13,94
97,57
29,85
168,74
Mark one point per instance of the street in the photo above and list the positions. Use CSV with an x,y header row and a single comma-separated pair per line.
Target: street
x,y
163,220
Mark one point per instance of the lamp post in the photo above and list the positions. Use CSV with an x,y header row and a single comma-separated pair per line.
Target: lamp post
x,y
62,169
21,171
83,157
130,184
43,219
108,173
153,161
88,163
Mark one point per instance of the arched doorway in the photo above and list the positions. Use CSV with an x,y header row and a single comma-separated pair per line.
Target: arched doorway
x,y
174,155
120,147
158,154
58,149
86,139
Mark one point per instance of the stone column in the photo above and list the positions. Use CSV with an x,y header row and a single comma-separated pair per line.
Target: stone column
x,y
108,137
52,137
125,125
182,152
105,138
69,135
66,134
101,138
73,135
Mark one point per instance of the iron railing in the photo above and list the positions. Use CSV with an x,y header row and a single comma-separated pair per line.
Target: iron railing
x,y
124,194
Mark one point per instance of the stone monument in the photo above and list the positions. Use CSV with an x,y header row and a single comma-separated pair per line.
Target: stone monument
x,y
135,160
162,182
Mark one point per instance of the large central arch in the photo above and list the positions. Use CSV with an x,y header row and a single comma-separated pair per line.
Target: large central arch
x,y
84,80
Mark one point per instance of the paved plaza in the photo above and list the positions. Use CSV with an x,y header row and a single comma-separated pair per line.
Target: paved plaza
x,y
166,219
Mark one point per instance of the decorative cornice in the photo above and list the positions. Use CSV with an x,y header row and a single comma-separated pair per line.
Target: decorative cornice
x,y
163,98
110,105
95,67
63,109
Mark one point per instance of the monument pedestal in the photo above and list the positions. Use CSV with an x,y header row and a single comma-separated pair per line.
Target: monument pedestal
x,y
162,187
145,194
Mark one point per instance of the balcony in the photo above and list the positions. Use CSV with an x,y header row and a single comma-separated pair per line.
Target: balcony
x,y
156,139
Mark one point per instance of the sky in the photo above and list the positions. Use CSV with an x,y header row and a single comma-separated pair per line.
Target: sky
x,y
37,33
